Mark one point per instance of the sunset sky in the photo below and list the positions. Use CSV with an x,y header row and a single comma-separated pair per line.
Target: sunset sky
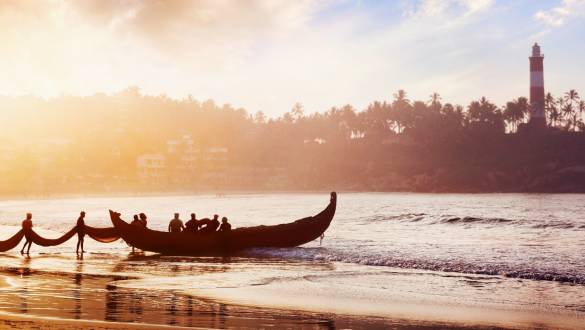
x,y
268,54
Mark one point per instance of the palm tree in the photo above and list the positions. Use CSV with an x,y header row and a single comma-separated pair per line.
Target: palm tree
x,y
550,106
581,107
571,97
561,106
568,112
515,112
435,101
297,111
401,111
400,96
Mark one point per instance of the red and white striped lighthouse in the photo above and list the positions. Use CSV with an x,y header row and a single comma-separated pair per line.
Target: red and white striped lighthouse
x,y
537,117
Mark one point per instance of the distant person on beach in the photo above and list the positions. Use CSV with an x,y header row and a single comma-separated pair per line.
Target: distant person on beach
x,y
27,226
192,225
80,232
176,225
225,225
143,219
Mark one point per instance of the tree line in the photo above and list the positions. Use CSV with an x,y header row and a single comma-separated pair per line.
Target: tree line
x,y
428,145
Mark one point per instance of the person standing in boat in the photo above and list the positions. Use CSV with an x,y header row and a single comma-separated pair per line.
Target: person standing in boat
x,y
212,224
202,225
225,225
136,221
176,225
80,232
143,219
192,225
27,227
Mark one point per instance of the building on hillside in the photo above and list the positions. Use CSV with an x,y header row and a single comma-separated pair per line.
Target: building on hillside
x,y
151,167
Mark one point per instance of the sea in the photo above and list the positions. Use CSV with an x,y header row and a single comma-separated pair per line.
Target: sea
x,y
382,252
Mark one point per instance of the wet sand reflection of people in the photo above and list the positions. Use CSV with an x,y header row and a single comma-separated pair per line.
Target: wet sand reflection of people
x,y
172,311
111,303
80,232
24,271
77,291
27,227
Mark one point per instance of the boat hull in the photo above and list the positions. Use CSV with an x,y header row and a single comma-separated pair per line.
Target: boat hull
x,y
219,243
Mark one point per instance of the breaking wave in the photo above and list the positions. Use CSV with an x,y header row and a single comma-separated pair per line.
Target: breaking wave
x,y
469,220
504,270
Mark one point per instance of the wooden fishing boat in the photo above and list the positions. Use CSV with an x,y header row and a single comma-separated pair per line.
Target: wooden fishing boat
x,y
195,244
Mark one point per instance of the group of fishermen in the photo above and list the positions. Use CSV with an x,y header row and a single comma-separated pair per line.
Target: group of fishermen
x,y
204,225
176,225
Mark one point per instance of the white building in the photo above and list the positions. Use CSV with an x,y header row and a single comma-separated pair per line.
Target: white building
x,y
151,166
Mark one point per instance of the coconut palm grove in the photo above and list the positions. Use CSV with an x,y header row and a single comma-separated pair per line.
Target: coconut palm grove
x,y
397,144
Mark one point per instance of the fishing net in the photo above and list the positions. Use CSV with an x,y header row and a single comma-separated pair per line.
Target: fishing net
x,y
12,241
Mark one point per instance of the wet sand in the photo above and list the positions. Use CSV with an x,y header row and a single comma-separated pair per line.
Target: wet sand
x,y
11,321
87,296
3,282
405,298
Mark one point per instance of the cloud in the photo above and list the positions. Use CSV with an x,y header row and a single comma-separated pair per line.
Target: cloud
x,y
175,21
263,54
48,47
437,8
558,15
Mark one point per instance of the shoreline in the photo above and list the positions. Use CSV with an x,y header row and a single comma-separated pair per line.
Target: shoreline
x,y
227,192
409,307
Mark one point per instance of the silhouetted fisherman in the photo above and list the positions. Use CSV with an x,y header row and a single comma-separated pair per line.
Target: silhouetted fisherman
x,y
80,232
176,225
225,225
212,224
143,219
192,225
202,225
27,227
136,221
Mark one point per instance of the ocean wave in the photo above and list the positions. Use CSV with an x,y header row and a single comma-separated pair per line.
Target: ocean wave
x,y
411,217
469,220
504,270
423,218
558,225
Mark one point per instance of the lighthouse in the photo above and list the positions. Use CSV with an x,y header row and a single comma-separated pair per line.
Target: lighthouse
x,y
537,117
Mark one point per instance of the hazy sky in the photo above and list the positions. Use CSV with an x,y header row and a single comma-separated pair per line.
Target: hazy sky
x,y
268,54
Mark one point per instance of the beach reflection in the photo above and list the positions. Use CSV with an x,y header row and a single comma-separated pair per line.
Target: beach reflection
x,y
24,270
81,292
77,290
